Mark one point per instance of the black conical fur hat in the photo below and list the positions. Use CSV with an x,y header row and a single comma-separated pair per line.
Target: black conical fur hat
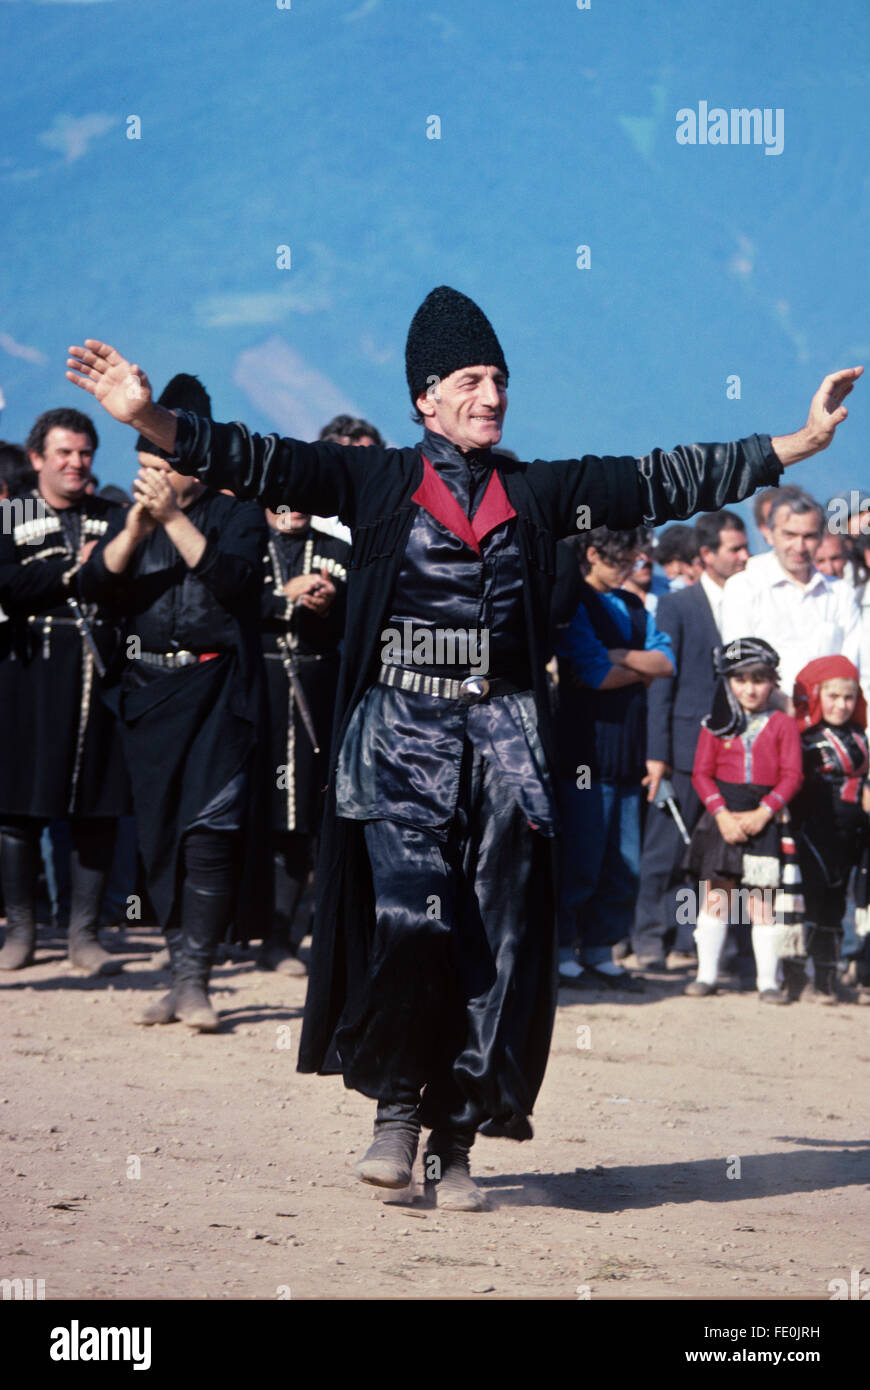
x,y
448,332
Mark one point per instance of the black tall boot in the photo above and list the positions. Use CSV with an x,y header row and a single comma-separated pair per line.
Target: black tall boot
x,y
389,1159
163,1009
447,1171
90,863
19,865
206,911
824,945
290,867
827,989
794,976
204,921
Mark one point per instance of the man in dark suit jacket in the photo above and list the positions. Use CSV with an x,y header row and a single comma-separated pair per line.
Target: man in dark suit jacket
x,y
675,708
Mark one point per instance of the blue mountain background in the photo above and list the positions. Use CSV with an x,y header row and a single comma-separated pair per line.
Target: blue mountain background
x,y
393,147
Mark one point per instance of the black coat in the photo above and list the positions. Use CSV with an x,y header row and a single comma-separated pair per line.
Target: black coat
x,y
297,792
370,489
676,705
62,752
188,732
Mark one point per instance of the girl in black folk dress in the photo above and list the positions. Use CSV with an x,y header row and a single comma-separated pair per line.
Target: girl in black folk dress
x,y
831,808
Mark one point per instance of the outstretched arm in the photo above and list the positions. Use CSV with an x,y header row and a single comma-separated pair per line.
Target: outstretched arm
x,y
578,494
319,478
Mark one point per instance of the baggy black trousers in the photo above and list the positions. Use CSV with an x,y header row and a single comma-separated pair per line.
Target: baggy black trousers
x,y
457,999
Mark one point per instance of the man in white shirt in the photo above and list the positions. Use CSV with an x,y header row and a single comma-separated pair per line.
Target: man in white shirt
x,y
783,598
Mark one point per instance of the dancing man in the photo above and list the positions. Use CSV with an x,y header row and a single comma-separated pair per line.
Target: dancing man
x,y
433,980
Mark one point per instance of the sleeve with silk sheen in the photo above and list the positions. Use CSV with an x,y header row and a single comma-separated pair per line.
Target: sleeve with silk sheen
x,y
315,478
580,494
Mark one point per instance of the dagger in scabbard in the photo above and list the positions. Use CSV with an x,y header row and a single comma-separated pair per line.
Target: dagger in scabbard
x,y
83,626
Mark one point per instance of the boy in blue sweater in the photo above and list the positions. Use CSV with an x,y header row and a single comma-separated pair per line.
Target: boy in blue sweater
x,y
608,654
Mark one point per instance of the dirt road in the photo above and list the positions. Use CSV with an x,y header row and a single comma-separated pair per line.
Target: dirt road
x,y
683,1148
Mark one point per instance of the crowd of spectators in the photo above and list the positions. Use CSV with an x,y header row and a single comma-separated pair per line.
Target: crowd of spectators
x,y
635,690
634,684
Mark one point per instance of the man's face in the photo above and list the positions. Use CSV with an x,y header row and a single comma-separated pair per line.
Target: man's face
x,y
641,574
608,573
795,539
729,557
467,407
831,556
186,489
859,523
683,569
64,466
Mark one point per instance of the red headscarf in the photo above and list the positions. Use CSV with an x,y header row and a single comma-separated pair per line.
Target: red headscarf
x,y
808,683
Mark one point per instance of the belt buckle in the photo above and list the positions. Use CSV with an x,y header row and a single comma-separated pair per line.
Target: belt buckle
x,y
473,689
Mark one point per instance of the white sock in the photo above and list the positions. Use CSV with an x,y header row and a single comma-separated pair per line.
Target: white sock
x,y
710,936
765,948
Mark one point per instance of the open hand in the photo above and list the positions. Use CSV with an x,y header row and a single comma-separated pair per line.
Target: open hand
x,y
121,387
826,408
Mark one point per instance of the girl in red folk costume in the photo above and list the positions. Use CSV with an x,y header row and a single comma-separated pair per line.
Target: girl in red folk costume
x,y
747,768
830,810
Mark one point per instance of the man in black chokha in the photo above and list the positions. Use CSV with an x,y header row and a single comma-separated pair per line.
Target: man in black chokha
x,y
183,568
303,620
61,756
433,980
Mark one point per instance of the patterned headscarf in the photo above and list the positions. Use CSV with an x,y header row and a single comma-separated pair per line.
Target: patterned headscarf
x,y
727,716
808,686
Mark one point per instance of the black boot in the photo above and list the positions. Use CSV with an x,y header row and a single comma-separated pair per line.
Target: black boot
x,y
87,955
794,977
90,863
290,866
203,926
276,954
163,1009
447,1173
824,945
827,983
206,910
19,864
389,1159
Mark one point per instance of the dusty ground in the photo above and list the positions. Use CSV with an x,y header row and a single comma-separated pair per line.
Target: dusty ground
x,y
246,1191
